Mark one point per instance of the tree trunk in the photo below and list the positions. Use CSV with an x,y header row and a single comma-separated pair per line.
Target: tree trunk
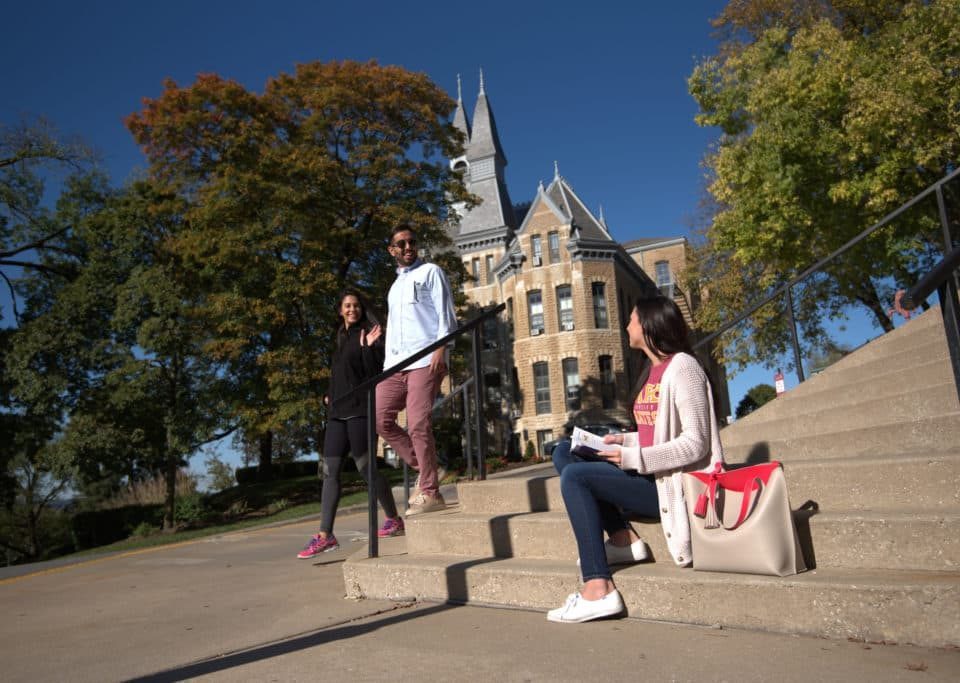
x,y
868,297
265,467
170,479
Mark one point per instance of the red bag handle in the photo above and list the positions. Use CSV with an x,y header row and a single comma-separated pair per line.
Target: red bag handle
x,y
747,480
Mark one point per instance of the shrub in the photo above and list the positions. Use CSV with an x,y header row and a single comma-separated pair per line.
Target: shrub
x,y
281,470
188,510
144,529
278,506
529,451
495,462
150,491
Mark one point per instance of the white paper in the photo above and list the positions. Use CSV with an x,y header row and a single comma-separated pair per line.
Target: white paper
x,y
587,443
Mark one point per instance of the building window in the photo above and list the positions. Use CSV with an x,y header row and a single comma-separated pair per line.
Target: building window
x,y
537,248
543,436
541,387
517,396
571,383
491,334
600,306
663,273
565,307
489,265
608,385
535,304
475,270
664,278
491,382
553,241
510,320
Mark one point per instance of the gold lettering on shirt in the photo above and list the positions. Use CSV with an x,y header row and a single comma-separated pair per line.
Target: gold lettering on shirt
x,y
646,405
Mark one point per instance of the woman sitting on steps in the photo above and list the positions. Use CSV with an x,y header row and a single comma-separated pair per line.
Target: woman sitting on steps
x,y
641,474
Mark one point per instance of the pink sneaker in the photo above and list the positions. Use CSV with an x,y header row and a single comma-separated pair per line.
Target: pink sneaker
x,y
318,544
391,527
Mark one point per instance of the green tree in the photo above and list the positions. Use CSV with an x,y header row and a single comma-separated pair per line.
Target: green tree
x,y
115,352
31,478
219,474
757,396
29,152
832,114
291,196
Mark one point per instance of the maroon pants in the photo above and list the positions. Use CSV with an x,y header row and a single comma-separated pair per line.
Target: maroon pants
x,y
414,390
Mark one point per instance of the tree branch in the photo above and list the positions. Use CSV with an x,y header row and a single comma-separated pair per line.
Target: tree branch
x,y
215,437
40,267
13,296
39,244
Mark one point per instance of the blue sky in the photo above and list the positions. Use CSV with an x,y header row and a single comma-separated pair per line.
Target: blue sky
x,y
600,88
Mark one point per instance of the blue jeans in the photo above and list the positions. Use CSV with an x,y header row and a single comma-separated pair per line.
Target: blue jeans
x,y
595,493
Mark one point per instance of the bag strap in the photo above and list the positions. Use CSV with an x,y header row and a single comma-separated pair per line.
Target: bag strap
x,y
745,503
706,505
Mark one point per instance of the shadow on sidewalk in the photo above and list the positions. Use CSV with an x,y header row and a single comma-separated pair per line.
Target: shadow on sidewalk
x,y
295,644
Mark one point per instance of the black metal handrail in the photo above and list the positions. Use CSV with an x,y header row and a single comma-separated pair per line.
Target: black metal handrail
x,y
941,278
786,288
369,386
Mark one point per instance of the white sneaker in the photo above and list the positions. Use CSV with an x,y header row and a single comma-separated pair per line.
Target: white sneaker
x,y
577,609
415,491
424,503
624,554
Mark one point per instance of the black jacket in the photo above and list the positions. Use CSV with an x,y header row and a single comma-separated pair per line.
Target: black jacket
x,y
352,364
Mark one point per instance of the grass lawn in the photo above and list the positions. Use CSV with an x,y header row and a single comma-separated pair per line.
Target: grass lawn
x,y
256,505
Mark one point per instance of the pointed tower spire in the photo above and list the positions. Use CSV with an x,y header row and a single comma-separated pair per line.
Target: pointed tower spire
x,y
484,141
603,221
460,121
556,169
493,217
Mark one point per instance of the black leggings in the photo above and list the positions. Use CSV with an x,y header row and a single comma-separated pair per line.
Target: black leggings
x,y
343,436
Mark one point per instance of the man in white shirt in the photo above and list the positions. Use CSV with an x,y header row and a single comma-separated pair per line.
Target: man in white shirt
x,y
420,311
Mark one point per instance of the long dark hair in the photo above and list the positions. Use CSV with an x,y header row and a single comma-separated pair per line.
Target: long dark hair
x,y
665,330
367,320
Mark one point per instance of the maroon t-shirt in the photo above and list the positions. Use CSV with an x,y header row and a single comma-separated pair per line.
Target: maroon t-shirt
x,y
647,404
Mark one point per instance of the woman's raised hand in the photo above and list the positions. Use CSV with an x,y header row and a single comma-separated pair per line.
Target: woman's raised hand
x,y
371,337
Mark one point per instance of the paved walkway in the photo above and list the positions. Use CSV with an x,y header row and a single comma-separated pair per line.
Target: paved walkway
x,y
240,607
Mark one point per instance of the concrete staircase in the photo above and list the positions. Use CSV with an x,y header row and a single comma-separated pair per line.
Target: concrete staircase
x,y
871,449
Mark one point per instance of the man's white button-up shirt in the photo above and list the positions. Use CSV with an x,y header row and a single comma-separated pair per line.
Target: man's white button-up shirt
x,y
420,311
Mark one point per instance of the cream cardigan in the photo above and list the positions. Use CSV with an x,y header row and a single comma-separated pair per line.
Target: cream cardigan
x,y
686,438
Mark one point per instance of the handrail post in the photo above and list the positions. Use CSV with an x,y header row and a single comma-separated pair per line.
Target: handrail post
x,y
948,295
373,549
793,332
466,424
478,394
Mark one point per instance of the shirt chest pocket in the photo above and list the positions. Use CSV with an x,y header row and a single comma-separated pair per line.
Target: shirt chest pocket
x,y
419,294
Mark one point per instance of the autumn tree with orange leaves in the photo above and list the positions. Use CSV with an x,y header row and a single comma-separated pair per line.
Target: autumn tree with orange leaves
x,y
291,195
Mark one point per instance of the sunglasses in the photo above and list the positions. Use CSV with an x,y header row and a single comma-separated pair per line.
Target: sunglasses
x,y
403,244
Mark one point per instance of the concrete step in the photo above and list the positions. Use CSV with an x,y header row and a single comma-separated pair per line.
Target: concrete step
x,y
827,416
922,329
910,481
918,540
922,608
892,483
815,394
933,433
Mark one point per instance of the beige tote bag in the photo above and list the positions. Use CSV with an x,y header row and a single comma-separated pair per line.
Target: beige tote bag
x,y
740,521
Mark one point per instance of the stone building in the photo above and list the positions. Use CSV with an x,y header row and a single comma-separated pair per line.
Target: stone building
x,y
561,351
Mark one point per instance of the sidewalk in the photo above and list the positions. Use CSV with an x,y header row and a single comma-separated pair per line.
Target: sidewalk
x,y
239,607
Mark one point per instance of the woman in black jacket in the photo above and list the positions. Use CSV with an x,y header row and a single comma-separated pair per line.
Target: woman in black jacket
x,y
358,357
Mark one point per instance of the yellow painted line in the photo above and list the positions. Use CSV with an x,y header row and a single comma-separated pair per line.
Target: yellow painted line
x,y
144,551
